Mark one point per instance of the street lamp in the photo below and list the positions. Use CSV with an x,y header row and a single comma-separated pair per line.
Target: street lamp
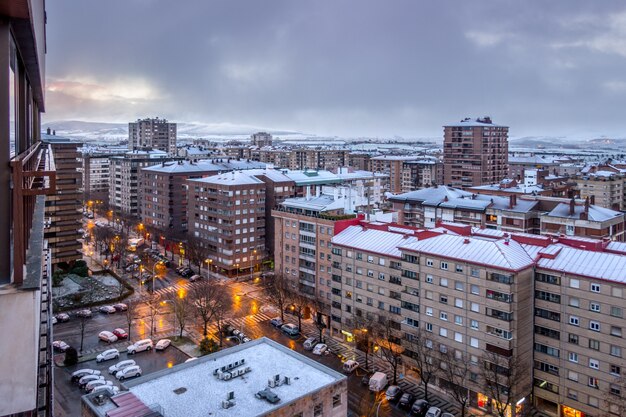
x,y
251,257
153,274
237,272
208,265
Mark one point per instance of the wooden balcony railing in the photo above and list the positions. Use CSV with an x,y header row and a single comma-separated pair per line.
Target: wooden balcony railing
x,y
33,174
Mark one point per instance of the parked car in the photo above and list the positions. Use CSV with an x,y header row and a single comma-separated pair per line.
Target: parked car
x,y
276,322
120,307
140,346
228,328
393,393
378,381
107,309
132,267
320,348
349,366
406,400
107,336
447,415
433,412
84,313
54,320
120,333
290,329
76,375
121,365
60,345
246,339
195,278
111,388
62,317
162,344
98,383
87,379
191,359
128,372
267,395
165,261
419,408
310,343
107,355
187,273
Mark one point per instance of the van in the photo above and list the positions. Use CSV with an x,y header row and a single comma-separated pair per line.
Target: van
x,y
291,329
349,366
378,382
140,346
310,343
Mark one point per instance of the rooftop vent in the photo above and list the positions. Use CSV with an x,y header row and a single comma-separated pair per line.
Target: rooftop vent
x,y
180,390
466,241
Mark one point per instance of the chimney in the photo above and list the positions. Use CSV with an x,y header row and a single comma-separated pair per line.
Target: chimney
x,y
466,241
48,131
512,201
572,206
445,199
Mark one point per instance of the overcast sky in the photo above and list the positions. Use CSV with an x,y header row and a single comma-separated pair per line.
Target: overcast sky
x,y
338,67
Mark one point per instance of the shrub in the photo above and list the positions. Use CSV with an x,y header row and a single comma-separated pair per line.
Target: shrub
x,y
82,271
208,345
57,278
80,263
71,357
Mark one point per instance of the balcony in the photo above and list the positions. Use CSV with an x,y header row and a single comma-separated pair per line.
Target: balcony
x,y
33,175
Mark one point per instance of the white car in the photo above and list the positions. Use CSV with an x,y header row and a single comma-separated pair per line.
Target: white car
x,y
433,412
111,388
99,383
107,336
107,309
162,344
76,375
120,307
191,359
60,345
88,378
140,346
128,372
320,348
107,355
54,320
121,365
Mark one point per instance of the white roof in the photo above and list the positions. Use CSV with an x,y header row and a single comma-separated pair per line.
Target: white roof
x,y
231,178
204,393
372,240
596,213
497,254
397,157
174,167
468,122
322,203
434,194
601,265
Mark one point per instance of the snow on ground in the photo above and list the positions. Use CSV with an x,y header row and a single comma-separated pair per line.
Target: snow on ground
x,y
205,393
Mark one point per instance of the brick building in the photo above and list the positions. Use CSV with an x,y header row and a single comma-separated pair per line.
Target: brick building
x,y
152,134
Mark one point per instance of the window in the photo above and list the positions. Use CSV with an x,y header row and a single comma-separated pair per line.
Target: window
x,y
616,292
429,262
573,338
594,325
444,265
458,320
381,276
594,364
443,299
473,342
443,316
475,307
443,282
616,331
459,268
474,289
595,287
429,327
616,311
370,259
615,389
458,303
429,311
574,283
429,295
336,400
475,272
572,394
547,350
549,279
458,285
381,305
458,337
443,332
592,382
318,410
429,279
616,351
473,359
594,307
574,302
616,370
574,321
573,357
474,324
394,309
594,344
593,401
572,376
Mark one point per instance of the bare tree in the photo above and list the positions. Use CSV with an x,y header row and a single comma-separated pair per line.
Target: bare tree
x,y
82,326
207,298
182,311
299,302
219,316
503,378
278,292
131,313
455,371
362,331
152,302
615,397
320,309
421,350
390,346
196,253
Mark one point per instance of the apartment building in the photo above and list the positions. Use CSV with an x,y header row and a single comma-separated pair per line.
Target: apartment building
x,y
520,163
261,139
359,160
63,208
421,173
26,177
152,134
124,176
475,152
394,167
607,188
227,213
96,176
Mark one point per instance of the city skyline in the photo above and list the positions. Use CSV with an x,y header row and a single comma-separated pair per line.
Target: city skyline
x,y
336,69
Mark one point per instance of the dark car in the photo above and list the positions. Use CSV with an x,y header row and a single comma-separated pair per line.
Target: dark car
x,y
406,400
393,393
419,408
267,395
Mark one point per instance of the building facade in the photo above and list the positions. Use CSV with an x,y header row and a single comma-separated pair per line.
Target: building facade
x,y
261,139
155,133
475,152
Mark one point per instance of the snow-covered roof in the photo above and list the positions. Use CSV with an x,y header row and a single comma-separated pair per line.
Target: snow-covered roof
x,y
500,254
437,193
373,240
534,160
191,389
596,213
594,264
617,247
479,122
175,167
231,178
518,189
321,203
304,177
397,157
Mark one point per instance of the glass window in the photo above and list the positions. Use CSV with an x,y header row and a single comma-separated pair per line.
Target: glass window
x,y
574,283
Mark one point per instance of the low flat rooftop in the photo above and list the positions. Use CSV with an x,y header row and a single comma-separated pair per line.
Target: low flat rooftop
x,y
192,390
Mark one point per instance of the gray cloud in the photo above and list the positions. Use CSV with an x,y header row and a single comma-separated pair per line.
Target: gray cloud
x,y
342,67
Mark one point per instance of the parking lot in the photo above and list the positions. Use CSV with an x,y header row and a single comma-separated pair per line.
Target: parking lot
x,y
68,394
